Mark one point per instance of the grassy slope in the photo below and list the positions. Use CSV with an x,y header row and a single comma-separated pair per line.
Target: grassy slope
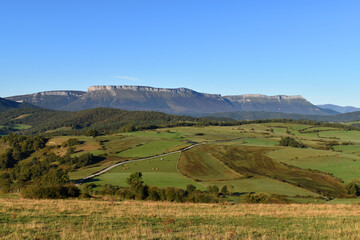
x,y
84,219
264,185
346,167
151,142
253,161
353,136
149,149
198,164
161,172
349,149
88,145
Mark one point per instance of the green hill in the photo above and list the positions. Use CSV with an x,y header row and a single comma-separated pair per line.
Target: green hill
x,y
101,119
6,105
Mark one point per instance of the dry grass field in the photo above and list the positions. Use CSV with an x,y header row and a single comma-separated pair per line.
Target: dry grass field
x,y
107,219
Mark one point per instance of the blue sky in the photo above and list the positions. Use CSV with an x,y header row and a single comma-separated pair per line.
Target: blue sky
x,y
305,47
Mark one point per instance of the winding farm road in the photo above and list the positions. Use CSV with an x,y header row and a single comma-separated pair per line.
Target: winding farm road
x,y
134,160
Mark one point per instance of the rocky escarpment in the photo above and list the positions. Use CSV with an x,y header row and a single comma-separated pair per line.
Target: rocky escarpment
x,y
168,100
180,91
49,99
279,103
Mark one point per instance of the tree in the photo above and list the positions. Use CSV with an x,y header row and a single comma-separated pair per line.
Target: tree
x,y
92,133
213,189
224,190
170,194
190,188
136,185
231,189
127,128
7,160
55,177
70,151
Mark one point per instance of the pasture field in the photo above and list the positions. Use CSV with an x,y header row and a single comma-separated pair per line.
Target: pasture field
x,y
344,166
58,129
260,142
349,149
20,126
230,156
161,172
88,145
198,164
94,219
17,126
264,185
149,149
320,129
252,161
114,144
246,157
84,172
351,136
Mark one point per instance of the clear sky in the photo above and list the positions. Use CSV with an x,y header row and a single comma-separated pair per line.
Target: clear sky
x,y
305,47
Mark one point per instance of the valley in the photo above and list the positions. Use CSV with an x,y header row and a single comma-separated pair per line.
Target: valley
x,y
245,157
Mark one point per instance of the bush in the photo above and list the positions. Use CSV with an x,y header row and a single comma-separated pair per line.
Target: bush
x,y
256,198
213,189
224,190
71,142
51,192
291,142
353,188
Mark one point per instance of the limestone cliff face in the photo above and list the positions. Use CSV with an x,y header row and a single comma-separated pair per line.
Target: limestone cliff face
x,y
179,91
49,99
257,97
278,103
168,100
59,93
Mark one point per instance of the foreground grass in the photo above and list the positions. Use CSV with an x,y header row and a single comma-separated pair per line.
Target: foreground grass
x,y
93,219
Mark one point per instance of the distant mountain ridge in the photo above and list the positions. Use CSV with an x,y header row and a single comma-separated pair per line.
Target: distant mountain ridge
x,y
168,100
8,105
49,99
339,109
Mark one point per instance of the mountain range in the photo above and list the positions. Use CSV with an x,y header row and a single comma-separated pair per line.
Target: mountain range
x,y
6,104
339,109
180,101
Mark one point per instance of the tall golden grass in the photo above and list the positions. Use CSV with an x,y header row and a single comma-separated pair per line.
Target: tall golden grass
x,y
107,219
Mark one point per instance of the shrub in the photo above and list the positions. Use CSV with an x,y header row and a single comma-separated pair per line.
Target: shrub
x,y
71,142
224,190
213,189
51,192
291,142
256,198
353,188
190,188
